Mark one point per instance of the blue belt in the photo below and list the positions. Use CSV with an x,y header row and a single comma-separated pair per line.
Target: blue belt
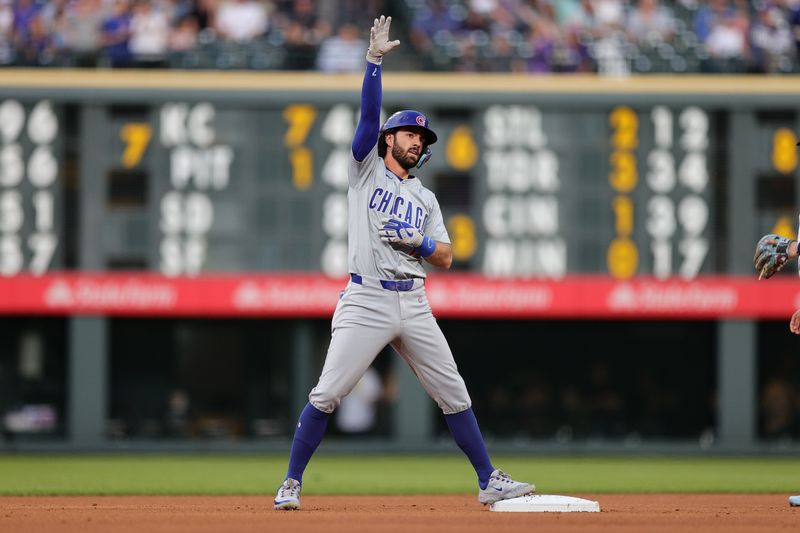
x,y
389,285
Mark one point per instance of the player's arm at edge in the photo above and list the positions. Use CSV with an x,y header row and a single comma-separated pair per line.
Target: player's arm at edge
x,y
794,322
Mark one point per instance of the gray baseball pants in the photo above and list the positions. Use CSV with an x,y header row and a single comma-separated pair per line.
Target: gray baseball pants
x,y
367,318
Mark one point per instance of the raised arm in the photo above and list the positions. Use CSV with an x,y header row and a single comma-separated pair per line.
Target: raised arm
x,y
369,124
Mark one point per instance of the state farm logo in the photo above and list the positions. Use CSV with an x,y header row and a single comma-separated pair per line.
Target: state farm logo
x,y
58,294
513,297
305,295
622,297
247,296
663,297
110,294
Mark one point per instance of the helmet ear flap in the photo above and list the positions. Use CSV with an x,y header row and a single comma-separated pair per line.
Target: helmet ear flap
x,y
426,154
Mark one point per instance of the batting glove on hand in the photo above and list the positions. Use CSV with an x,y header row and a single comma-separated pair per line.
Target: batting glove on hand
x,y
395,231
772,253
379,43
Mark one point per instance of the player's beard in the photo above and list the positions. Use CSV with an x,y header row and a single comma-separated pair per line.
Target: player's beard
x,y
406,159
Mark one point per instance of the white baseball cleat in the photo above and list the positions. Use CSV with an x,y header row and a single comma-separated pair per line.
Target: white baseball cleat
x,y
288,497
502,487
794,501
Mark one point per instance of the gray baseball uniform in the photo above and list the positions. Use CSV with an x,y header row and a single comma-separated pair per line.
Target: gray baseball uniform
x,y
385,301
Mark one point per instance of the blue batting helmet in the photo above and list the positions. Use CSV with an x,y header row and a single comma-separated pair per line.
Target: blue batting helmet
x,y
408,118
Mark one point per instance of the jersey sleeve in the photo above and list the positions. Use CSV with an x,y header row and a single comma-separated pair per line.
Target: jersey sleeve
x,y
434,226
359,172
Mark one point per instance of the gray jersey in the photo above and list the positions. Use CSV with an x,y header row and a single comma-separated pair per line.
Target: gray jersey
x,y
375,193
369,316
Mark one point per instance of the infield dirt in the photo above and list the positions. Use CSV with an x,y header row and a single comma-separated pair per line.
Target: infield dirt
x,y
628,513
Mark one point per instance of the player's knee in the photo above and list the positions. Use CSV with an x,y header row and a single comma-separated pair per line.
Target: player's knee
x,y
450,406
325,401
451,409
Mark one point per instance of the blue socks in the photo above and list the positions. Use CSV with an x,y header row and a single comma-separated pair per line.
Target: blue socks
x,y
307,437
464,428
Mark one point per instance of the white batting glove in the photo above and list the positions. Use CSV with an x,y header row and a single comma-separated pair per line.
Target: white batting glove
x,y
379,43
396,231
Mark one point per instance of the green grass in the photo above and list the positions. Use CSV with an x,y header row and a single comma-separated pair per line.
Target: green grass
x,y
441,474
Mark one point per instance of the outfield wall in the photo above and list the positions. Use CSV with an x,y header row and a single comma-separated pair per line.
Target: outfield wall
x,y
173,243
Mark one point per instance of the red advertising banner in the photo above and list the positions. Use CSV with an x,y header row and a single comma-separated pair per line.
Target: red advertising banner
x,y
450,295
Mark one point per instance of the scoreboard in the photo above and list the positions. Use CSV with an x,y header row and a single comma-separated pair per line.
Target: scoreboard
x,y
30,188
188,174
526,191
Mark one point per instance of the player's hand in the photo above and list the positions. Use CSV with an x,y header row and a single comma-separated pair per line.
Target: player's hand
x,y
794,323
396,231
379,43
772,253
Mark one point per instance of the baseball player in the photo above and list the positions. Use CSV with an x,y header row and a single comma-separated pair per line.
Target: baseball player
x,y
394,224
773,252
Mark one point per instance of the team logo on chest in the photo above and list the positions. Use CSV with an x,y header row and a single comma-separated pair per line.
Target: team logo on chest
x,y
388,203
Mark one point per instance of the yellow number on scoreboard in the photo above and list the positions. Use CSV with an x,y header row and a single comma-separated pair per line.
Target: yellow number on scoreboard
x,y
622,258
623,176
623,215
136,136
462,232
302,168
300,118
783,227
626,125
462,152
784,150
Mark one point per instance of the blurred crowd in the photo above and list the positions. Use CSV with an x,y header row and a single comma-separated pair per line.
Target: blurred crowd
x,y
219,34
613,37
610,36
